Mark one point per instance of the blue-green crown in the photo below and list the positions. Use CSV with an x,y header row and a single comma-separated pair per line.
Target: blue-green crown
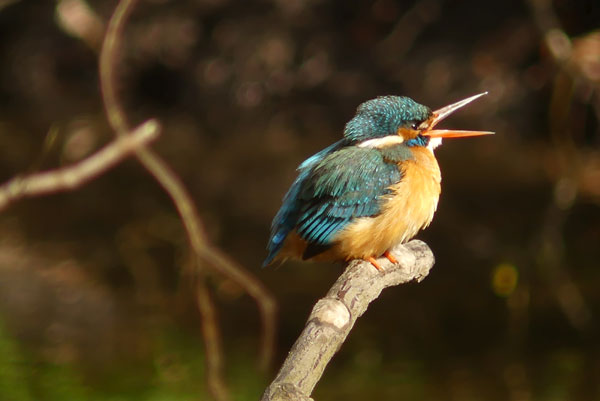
x,y
383,116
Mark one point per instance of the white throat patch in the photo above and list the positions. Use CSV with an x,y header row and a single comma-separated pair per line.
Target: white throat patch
x,y
434,143
382,142
395,140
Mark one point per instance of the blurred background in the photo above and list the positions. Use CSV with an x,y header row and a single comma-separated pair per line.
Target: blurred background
x,y
93,305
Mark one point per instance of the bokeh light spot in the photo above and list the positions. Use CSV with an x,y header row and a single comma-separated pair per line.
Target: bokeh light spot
x,y
505,279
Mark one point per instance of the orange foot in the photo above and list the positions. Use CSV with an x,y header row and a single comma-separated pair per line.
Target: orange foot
x,y
375,263
390,257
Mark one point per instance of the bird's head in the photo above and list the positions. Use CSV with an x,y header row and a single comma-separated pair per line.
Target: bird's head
x,y
389,120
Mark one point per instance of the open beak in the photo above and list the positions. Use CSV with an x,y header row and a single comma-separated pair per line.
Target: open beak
x,y
440,114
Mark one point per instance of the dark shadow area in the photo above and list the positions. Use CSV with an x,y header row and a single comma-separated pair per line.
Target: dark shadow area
x,y
93,304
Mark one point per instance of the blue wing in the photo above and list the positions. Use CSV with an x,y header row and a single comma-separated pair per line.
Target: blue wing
x,y
342,184
345,185
286,218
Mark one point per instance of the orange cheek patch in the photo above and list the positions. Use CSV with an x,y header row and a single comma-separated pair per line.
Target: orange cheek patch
x,y
407,133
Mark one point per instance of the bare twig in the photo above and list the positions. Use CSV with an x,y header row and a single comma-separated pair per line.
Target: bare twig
x,y
577,58
77,174
550,255
212,340
108,56
333,317
170,183
206,253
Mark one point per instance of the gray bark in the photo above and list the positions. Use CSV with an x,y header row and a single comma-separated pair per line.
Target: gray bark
x,y
333,317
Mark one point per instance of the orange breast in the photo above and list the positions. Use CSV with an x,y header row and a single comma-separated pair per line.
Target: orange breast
x,y
409,208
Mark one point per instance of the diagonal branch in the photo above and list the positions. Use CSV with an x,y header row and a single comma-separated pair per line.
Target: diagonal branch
x,y
207,255
333,317
75,175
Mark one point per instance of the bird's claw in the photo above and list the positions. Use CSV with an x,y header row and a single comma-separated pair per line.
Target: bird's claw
x,y
390,257
375,263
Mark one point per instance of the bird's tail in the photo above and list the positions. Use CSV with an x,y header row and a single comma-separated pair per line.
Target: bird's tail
x,y
285,220
275,244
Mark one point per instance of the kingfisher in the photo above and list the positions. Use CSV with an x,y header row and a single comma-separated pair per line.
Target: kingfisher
x,y
375,188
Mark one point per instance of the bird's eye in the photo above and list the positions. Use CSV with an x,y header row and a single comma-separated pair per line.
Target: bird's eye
x,y
414,125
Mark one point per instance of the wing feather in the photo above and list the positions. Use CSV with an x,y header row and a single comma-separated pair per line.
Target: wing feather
x,y
333,187
346,184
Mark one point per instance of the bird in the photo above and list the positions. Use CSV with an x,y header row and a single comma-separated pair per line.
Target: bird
x,y
375,188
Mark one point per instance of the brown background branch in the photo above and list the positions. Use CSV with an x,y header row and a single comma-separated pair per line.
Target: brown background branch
x,y
77,174
333,317
206,254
